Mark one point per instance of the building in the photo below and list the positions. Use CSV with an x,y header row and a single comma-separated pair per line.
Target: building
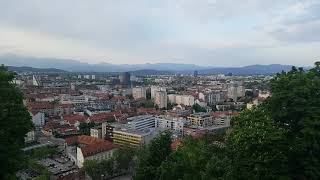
x,y
212,97
74,119
96,132
141,122
30,137
37,118
69,99
171,123
201,119
186,100
35,81
133,138
81,148
139,92
107,131
154,89
125,79
161,99
195,73
50,109
236,90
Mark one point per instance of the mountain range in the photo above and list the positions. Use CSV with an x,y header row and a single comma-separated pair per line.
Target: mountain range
x,y
61,65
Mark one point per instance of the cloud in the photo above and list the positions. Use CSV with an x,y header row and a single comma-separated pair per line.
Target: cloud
x,y
206,32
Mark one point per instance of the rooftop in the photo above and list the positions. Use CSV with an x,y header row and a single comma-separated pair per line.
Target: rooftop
x,y
92,145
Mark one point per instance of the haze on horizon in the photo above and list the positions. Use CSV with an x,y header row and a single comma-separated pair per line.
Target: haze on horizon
x,y
202,32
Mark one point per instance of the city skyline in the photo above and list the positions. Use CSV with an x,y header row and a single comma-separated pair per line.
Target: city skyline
x,y
206,33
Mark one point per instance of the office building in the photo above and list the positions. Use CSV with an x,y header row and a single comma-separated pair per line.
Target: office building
x,y
125,79
131,137
201,119
141,122
171,123
195,73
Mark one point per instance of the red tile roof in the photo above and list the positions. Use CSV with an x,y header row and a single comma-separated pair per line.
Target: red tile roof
x,y
73,118
147,111
93,145
65,105
40,105
103,117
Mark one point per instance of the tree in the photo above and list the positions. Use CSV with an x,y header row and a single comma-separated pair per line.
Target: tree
x,y
15,122
150,158
123,158
91,167
197,108
257,147
187,162
84,128
294,106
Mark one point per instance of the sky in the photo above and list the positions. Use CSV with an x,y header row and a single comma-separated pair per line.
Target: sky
x,y
202,32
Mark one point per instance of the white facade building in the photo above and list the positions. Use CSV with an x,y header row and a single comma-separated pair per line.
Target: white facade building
x,y
30,137
38,118
236,90
139,92
161,99
141,122
172,123
154,89
186,100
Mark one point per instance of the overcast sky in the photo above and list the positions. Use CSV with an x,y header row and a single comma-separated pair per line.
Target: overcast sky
x,y
203,32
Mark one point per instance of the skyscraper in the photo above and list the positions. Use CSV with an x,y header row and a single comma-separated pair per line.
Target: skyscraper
x,y
195,73
125,79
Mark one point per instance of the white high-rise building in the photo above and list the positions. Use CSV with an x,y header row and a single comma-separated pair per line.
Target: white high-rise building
x,y
236,90
154,89
161,99
186,100
139,92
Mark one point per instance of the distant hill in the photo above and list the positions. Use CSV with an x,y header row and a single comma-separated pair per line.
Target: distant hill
x,y
144,72
61,65
249,70
38,70
77,66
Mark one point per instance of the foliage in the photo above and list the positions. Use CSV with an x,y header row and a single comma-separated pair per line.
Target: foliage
x,y
97,169
121,162
197,108
150,157
148,95
256,147
279,139
147,104
15,122
44,152
84,128
294,106
123,158
170,105
42,170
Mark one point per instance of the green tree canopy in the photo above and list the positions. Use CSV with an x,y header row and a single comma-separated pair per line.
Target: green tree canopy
x,y
15,122
151,157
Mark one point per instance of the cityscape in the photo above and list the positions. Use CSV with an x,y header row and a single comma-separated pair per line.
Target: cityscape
x,y
160,91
